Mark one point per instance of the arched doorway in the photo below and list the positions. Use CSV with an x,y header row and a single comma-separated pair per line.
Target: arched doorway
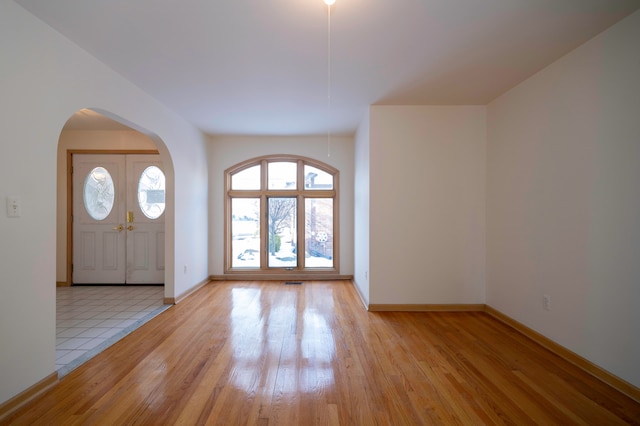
x,y
96,131
91,134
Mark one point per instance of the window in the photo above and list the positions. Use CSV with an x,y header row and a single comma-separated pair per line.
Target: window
x,y
151,192
279,216
98,193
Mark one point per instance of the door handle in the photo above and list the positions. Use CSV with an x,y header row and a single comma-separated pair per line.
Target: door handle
x,y
130,227
118,228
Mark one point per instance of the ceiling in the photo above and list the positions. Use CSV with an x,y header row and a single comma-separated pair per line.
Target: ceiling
x,y
259,67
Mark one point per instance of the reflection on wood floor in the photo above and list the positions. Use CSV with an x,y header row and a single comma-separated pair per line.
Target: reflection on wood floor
x,y
269,353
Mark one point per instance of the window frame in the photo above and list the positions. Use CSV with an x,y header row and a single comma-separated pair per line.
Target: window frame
x,y
263,194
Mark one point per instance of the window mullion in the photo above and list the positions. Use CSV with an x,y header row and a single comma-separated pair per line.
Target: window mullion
x,y
263,175
300,178
301,223
264,222
264,235
244,194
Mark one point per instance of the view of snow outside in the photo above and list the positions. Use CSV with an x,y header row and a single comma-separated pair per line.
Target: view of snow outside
x,y
246,245
282,220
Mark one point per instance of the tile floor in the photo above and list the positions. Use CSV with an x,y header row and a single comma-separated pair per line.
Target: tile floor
x,y
91,318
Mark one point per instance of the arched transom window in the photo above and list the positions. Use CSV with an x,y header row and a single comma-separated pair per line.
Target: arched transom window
x,y
279,216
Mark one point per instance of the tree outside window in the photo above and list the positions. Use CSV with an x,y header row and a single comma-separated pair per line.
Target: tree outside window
x,y
280,215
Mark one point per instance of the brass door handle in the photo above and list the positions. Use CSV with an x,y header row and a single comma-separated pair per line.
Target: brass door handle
x,y
118,228
130,227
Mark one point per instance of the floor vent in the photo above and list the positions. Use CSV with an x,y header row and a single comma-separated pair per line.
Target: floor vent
x,y
293,282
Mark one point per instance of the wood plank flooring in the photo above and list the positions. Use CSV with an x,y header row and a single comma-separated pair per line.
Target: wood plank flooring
x,y
260,353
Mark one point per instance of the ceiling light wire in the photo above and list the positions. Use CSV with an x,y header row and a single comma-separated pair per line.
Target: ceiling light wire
x,y
328,80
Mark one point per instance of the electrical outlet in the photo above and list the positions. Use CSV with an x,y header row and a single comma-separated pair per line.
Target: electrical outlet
x,y
366,275
546,302
185,269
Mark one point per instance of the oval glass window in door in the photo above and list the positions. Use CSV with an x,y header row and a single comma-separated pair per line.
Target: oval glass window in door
x,y
98,193
151,191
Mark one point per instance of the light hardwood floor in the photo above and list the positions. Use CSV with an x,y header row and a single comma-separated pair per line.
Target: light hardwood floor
x,y
269,353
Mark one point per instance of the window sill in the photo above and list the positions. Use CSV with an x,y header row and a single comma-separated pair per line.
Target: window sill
x,y
294,275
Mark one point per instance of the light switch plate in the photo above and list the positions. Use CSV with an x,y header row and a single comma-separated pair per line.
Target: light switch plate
x,y
14,206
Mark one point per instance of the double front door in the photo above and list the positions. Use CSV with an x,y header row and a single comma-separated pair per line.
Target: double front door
x,y
118,219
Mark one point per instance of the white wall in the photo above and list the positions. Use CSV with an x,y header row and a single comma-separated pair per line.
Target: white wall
x,y
45,79
361,210
563,179
84,139
427,205
226,151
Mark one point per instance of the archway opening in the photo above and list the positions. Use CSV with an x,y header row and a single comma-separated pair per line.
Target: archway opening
x,y
91,134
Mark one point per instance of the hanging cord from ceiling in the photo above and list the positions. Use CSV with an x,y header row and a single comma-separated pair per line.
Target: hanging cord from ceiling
x,y
329,3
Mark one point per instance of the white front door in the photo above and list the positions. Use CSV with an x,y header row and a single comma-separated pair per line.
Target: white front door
x,y
118,219
145,232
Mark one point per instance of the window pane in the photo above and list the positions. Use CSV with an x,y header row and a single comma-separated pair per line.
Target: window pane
x,y
317,179
282,175
151,189
245,233
246,179
98,193
282,233
319,232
